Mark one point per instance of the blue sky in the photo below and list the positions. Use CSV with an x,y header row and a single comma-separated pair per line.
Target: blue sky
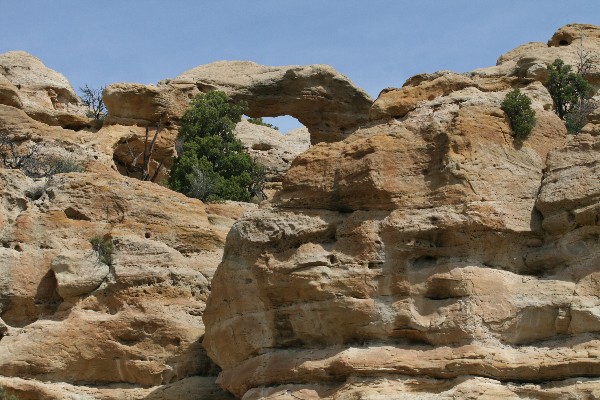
x,y
375,43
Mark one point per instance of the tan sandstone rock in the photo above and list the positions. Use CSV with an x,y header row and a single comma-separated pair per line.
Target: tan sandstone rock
x,y
73,319
322,99
9,94
271,148
45,94
134,103
78,274
427,256
430,256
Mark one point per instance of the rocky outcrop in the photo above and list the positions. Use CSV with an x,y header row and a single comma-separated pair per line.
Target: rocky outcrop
x,y
519,67
322,99
138,104
73,317
44,94
428,255
67,317
423,254
9,94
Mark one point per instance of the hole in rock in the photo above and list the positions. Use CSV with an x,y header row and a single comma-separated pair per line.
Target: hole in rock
x,y
564,42
284,124
424,261
135,154
446,288
72,213
261,146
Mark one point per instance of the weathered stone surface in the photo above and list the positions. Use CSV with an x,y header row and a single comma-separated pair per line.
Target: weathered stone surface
x,y
413,388
431,159
46,95
195,387
73,320
136,322
9,94
428,256
138,104
517,68
530,60
322,99
397,102
78,274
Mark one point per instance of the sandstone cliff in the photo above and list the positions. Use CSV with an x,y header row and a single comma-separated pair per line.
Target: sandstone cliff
x,y
427,255
414,251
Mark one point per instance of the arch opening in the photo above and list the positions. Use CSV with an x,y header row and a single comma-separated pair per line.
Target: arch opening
x,y
284,124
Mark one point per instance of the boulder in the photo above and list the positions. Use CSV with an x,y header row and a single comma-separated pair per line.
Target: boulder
x,y
45,94
78,273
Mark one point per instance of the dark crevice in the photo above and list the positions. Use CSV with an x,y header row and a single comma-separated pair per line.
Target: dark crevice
x,y
74,214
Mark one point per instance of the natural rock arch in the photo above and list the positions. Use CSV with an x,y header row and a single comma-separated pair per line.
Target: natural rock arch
x,y
322,99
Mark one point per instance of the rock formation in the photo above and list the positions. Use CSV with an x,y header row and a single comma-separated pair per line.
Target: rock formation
x,y
427,255
72,317
322,99
44,94
69,319
416,250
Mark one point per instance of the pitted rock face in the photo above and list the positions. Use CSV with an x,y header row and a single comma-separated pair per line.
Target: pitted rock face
x,y
425,256
74,318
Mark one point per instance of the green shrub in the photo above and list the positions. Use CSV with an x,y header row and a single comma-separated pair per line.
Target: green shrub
x,y
4,395
33,159
259,121
103,247
517,107
63,165
566,88
212,164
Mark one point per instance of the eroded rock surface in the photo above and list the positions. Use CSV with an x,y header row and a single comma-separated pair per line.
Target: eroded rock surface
x,y
428,255
43,93
322,99
424,254
69,318
517,68
74,318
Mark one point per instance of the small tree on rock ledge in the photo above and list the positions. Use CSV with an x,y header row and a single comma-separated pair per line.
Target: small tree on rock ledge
x,y
517,107
212,165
